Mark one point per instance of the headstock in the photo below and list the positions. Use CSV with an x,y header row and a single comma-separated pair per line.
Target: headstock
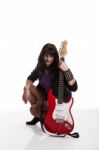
x,y
63,49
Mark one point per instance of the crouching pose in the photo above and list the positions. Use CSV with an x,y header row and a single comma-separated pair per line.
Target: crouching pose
x,y
47,72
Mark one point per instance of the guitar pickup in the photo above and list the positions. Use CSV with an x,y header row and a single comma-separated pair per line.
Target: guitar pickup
x,y
59,121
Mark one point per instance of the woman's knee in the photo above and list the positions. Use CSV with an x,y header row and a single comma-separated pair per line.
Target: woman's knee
x,y
36,92
32,89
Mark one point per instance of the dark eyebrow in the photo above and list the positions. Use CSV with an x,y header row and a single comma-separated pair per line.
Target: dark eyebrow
x,y
48,55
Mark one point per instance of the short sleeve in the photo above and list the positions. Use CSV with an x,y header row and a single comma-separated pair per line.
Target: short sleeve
x,y
34,75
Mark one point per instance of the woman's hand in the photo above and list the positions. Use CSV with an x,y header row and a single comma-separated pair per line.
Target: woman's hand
x,y
63,66
26,95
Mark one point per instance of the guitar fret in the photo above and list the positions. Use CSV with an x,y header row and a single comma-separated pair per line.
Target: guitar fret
x,y
61,87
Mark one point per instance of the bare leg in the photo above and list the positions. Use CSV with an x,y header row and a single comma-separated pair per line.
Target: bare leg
x,y
36,99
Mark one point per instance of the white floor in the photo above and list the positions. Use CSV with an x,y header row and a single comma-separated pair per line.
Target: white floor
x,y
15,135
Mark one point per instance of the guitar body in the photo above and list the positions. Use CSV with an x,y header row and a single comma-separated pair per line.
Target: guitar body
x,y
58,120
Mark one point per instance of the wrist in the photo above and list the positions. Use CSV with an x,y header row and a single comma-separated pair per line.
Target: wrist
x,y
26,89
66,69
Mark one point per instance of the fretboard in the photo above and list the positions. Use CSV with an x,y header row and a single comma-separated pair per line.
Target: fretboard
x,y
61,86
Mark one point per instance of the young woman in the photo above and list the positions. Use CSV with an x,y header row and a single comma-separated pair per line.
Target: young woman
x,y
47,72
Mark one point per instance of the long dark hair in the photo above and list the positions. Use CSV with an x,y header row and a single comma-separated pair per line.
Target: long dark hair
x,y
51,50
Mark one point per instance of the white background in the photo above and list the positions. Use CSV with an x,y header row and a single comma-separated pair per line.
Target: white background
x,y
26,25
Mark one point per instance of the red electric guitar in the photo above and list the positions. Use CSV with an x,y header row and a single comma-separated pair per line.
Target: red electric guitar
x,y
58,120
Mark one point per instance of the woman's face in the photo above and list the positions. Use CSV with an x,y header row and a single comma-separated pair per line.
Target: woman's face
x,y
48,59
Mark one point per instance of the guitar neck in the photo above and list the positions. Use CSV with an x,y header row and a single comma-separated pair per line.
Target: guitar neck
x,y
61,87
62,53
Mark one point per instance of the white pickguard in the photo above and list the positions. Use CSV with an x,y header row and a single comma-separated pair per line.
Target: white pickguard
x,y
62,111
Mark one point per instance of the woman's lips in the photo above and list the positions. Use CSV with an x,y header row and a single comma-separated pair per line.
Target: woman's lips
x,y
47,61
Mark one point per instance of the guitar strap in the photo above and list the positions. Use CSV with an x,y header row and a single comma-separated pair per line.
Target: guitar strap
x,y
74,135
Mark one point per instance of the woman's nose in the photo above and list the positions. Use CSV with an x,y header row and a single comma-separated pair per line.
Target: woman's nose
x,y
48,58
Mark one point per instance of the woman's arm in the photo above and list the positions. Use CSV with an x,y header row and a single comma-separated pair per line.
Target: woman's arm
x,y
72,83
30,79
28,84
